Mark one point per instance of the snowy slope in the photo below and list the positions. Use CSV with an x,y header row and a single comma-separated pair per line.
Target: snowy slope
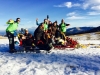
x,y
58,62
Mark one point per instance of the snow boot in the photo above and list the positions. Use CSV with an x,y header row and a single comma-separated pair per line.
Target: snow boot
x,y
12,51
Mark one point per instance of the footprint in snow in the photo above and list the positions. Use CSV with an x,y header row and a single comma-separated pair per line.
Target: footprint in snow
x,y
22,70
28,62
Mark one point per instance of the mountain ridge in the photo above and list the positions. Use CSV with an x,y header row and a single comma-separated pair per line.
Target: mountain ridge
x,y
69,31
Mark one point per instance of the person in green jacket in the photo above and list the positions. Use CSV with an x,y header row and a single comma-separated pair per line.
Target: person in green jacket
x,y
12,27
45,24
62,26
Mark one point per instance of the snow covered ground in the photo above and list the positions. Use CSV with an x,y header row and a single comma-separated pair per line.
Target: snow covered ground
x,y
87,36
58,62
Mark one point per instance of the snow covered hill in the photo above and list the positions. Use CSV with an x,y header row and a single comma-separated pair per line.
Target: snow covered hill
x,y
58,62
87,36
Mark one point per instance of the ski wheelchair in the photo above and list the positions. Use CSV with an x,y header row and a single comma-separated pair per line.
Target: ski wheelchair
x,y
64,42
47,42
30,44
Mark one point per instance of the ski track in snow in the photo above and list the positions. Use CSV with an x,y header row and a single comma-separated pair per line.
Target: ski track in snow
x,y
58,62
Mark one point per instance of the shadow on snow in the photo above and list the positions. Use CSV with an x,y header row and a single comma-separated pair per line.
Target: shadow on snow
x,y
74,62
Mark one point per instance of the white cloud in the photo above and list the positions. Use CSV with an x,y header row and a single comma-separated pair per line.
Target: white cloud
x,y
91,4
93,1
68,5
92,23
85,4
71,14
82,23
97,7
93,13
75,17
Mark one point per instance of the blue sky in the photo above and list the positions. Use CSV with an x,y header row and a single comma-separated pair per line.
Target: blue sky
x,y
77,13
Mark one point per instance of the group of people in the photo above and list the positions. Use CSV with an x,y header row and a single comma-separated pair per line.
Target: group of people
x,y
45,31
50,28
